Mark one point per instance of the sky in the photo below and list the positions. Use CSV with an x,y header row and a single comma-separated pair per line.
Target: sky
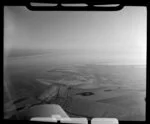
x,y
119,34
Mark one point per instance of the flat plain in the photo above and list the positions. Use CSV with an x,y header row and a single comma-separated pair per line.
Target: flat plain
x,y
96,90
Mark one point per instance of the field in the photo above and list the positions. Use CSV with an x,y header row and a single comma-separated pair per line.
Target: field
x,y
113,90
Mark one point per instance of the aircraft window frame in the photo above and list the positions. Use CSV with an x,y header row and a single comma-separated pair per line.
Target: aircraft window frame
x,y
59,8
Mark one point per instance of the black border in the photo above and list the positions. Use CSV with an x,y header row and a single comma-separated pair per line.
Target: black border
x,y
89,8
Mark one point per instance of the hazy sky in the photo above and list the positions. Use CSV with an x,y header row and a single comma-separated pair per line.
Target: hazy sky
x,y
118,34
